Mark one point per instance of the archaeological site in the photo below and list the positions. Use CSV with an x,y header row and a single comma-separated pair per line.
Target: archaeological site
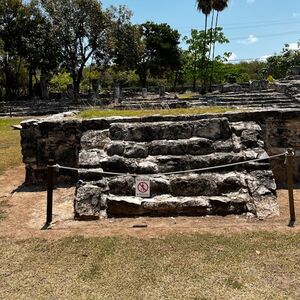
x,y
192,165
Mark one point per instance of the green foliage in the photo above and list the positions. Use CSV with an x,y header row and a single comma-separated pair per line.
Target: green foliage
x,y
278,65
10,150
196,52
60,81
243,71
97,113
270,79
154,50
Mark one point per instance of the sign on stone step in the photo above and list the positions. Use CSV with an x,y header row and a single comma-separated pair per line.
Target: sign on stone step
x,y
142,187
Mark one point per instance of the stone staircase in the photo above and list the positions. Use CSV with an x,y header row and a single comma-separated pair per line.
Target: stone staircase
x,y
150,149
254,99
250,100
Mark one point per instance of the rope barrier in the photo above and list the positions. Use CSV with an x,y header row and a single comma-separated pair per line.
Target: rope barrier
x,y
57,166
289,156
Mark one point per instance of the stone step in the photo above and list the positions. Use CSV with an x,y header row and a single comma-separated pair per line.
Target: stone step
x,y
166,205
186,185
217,128
245,105
239,102
166,163
244,101
192,146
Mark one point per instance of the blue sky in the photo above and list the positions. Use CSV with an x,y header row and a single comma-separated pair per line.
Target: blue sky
x,y
256,28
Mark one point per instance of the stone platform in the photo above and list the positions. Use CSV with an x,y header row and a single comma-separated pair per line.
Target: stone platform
x,y
155,148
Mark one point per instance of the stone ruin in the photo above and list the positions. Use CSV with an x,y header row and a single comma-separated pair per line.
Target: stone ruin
x,y
154,148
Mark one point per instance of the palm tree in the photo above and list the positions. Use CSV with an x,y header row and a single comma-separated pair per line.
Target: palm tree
x,y
218,6
204,6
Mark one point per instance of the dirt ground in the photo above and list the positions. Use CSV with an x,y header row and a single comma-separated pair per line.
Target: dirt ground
x,y
25,216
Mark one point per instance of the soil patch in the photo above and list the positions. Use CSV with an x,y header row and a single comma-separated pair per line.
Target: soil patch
x,y
25,215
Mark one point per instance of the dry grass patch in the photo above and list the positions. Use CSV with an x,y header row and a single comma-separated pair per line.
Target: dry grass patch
x,y
3,206
241,266
10,149
98,113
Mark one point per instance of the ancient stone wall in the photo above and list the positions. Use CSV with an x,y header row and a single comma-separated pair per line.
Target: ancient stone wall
x,y
161,150
60,140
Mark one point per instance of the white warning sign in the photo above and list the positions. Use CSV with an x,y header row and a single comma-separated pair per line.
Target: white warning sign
x,y
142,187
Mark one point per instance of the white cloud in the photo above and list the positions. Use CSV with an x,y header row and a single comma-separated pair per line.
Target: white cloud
x,y
232,57
294,46
264,57
250,1
250,40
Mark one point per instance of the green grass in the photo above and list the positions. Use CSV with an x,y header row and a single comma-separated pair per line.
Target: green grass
x,y
187,95
97,113
241,266
10,149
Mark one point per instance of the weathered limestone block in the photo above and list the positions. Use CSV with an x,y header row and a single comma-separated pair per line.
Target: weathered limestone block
x,y
136,151
250,138
91,158
193,146
122,186
167,205
115,148
208,184
229,88
119,164
90,200
94,139
90,174
259,85
145,132
239,127
148,167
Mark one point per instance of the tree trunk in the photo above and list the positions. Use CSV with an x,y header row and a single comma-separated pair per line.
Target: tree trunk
x,y
195,72
203,89
213,52
143,78
76,82
30,82
7,78
44,86
208,74
17,87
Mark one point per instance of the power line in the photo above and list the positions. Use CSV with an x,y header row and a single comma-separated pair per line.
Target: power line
x,y
267,35
252,24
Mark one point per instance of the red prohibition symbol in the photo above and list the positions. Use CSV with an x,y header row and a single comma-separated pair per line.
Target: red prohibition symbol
x,y
143,187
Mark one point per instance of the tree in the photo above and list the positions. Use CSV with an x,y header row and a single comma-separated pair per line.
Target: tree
x,y
154,49
278,65
218,6
204,6
12,16
40,47
195,53
82,30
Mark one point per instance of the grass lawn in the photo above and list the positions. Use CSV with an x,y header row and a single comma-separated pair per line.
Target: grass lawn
x,y
254,265
241,266
10,149
97,113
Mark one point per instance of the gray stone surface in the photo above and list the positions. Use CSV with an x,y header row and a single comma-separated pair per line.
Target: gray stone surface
x,y
94,139
143,132
89,200
163,147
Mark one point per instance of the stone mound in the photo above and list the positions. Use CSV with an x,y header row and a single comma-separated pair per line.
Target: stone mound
x,y
167,147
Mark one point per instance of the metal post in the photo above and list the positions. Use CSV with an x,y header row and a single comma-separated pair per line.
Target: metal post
x,y
290,182
50,185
